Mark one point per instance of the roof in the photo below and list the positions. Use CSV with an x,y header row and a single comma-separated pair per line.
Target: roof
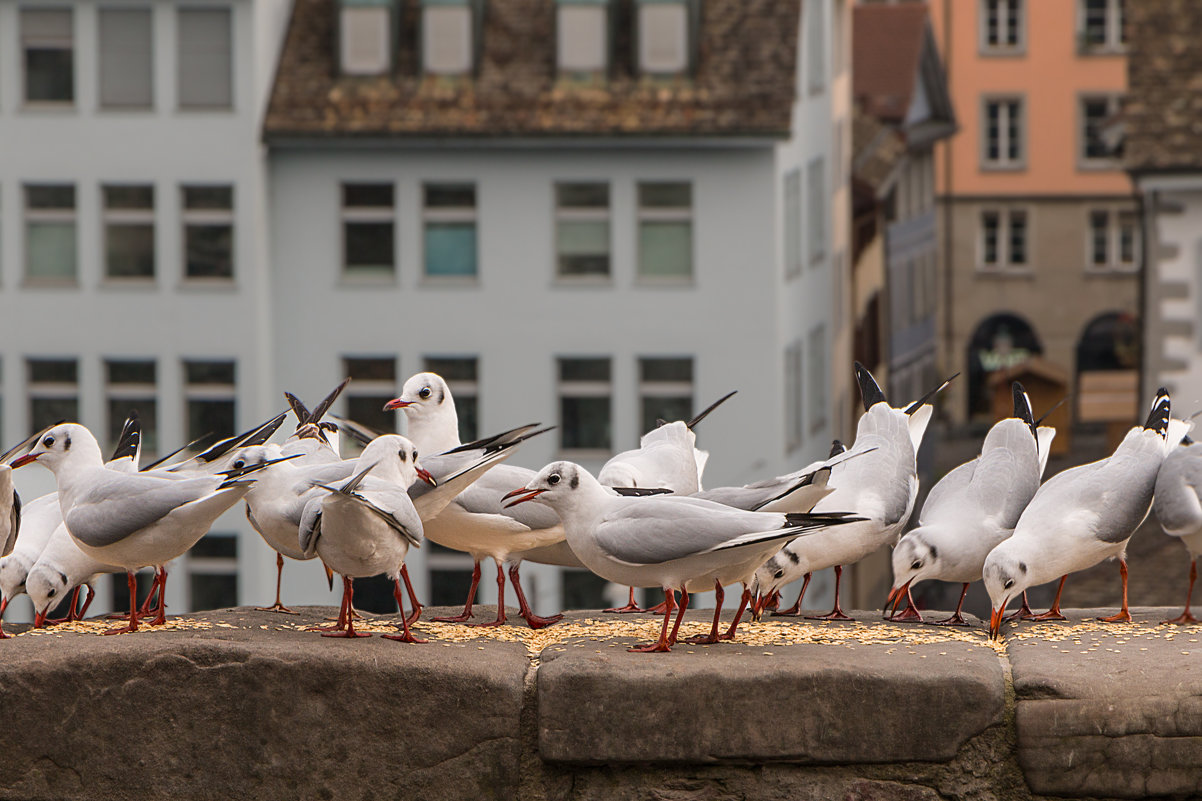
x,y
1162,114
877,150
743,82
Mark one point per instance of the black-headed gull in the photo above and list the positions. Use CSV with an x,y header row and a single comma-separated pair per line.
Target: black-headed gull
x,y
665,541
879,486
132,521
974,507
364,525
60,569
1084,515
1178,506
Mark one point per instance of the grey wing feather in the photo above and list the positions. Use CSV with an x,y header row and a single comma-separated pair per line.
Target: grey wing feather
x,y
1178,501
486,494
309,531
650,531
950,485
393,506
124,504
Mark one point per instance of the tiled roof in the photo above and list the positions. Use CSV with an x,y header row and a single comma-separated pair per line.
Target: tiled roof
x,y
743,82
1162,115
888,46
877,149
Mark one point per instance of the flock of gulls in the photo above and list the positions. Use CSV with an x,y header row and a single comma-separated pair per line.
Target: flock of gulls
x,y
643,520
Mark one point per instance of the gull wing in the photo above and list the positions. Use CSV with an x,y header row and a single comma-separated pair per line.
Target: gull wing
x,y
119,505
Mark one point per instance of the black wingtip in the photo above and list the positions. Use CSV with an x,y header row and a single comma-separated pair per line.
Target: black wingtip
x,y
1158,418
837,447
918,404
1048,413
1022,407
870,390
264,432
328,401
298,408
705,413
130,439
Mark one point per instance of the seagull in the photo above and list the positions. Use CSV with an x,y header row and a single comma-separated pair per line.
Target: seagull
x,y
880,487
1178,505
315,439
974,507
477,522
664,541
1083,515
60,569
131,521
365,525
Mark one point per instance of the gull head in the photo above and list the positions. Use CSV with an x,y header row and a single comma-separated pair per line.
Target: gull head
x,y
424,394
13,572
560,485
770,577
394,458
46,586
1006,577
913,560
61,444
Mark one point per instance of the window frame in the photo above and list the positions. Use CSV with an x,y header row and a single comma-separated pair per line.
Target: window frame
x,y
109,107
210,218
1085,162
583,73
49,215
1114,30
583,214
364,388
134,392
50,390
358,70
675,389
1114,240
984,47
51,43
668,214
1004,163
130,217
583,388
473,38
640,67
462,390
231,102
450,214
351,215
208,391
1004,264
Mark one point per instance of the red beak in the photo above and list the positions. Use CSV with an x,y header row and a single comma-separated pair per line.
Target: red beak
x,y
39,620
396,403
527,495
21,461
425,476
995,622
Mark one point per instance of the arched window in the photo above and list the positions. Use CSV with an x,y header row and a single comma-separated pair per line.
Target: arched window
x,y
999,341
1109,342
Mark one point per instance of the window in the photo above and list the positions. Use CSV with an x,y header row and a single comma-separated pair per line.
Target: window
x,y
1003,239
449,216
585,391
1097,148
817,379
582,230
665,390
792,223
582,37
663,37
48,43
213,572
1003,27
460,373
1100,25
126,58
794,421
816,202
130,386
368,226
50,249
53,392
373,384
815,29
208,219
447,37
1003,146
665,230
128,232
583,589
365,39
1113,240
209,397
205,58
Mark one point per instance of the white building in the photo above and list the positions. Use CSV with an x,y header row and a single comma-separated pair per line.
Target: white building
x,y
591,214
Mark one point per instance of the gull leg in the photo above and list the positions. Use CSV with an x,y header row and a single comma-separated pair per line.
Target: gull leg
x,y
348,599
87,602
68,618
712,637
1054,612
795,609
405,635
500,621
662,643
956,619
133,607
416,604
3,606
466,614
684,604
161,577
911,611
734,624
341,619
1184,617
1024,611
279,577
535,621
837,612
630,606
1123,615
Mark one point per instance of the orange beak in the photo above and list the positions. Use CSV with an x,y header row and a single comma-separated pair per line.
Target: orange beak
x,y
526,495
396,403
895,597
21,461
995,622
39,620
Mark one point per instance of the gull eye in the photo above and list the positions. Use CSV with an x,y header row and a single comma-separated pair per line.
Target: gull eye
x,y
779,574
404,456
425,393
415,456
238,465
1009,583
553,479
917,564
48,442
51,593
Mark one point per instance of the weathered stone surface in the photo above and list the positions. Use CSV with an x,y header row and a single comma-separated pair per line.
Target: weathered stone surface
x,y
804,703
250,712
1109,711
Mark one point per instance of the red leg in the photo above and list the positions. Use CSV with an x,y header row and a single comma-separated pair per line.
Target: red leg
x,y
348,594
719,597
683,605
279,578
795,609
87,602
630,606
500,621
956,619
662,643
911,611
837,612
471,599
416,604
734,624
1024,611
405,635
161,577
3,606
133,607
68,618
1123,615
1184,617
535,621
341,620
1054,612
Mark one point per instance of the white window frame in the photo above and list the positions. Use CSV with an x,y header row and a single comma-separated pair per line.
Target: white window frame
x,y
208,217
365,25
440,17
585,389
210,391
584,20
666,214
451,214
366,214
1113,102
1002,48
143,216
592,214
131,391
461,388
380,388
38,215
47,43
650,388
1005,217
231,102
49,390
1115,39
647,14
101,13
1004,162
1114,240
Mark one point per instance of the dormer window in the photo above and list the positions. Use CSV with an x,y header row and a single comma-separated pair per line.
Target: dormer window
x,y
365,37
448,37
582,35
663,37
